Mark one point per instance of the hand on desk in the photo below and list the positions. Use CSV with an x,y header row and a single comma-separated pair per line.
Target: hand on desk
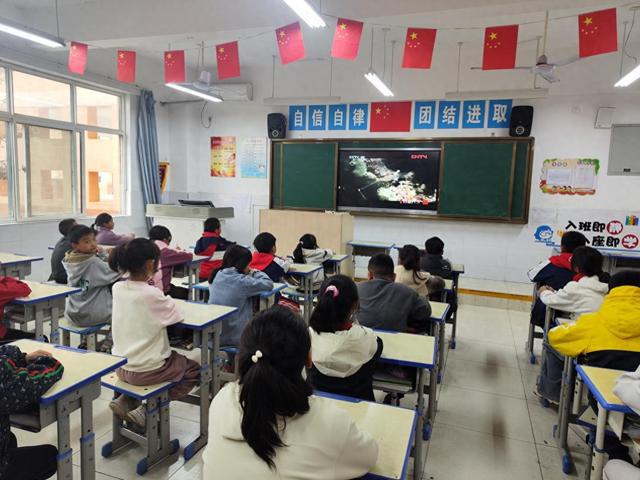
x,y
30,357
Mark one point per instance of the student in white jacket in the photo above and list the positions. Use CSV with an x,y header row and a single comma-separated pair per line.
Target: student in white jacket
x,y
308,251
344,352
269,425
584,294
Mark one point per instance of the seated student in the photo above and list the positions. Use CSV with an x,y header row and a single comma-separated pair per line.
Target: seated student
x,y
141,315
24,378
555,272
265,259
87,269
234,285
169,258
210,243
577,297
11,288
387,305
408,271
268,425
608,338
58,273
308,251
433,260
344,352
105,235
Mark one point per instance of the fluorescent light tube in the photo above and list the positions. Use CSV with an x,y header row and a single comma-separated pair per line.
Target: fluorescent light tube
x,y
300,100
379,84
629,78
499,94
306,13
192,91
43,38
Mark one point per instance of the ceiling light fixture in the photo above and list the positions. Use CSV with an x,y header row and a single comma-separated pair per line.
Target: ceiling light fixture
x,y
378,83
306,13
37,36
629,78
187,88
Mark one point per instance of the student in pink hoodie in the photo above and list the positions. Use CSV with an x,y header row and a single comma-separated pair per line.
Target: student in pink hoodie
x,y
104,231
169,258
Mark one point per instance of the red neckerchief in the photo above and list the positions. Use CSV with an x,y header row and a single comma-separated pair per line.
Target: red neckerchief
x,y
210,234
578,276
260,261
345,326
563,260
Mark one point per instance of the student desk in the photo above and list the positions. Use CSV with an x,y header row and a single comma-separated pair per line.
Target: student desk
x,y
439,312
600,382
394,444
206,322
190,270
336,261
14,265
46,301
264,300
419,352
306,271
77,389
365,248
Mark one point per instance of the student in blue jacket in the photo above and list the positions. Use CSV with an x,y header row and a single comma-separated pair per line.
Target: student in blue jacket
x,y
234,285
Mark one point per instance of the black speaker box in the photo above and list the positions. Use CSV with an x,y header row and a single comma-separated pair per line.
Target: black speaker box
x,y
521,121
277,125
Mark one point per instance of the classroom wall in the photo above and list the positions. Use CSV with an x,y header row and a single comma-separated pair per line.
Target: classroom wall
x,y
563,127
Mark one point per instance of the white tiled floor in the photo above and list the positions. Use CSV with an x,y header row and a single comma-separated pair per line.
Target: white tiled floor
x,y
489,425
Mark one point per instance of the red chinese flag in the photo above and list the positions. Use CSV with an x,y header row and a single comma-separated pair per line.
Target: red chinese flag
x,y
500,46
418,48
346,39
174,71
77,58
290,43
228,60
598,32
390,116
126,66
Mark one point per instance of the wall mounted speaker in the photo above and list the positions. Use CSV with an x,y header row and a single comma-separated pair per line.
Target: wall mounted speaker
x,y
521,121
276,125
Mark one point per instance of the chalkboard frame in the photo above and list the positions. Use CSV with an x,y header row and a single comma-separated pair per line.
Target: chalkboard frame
x,y
373,142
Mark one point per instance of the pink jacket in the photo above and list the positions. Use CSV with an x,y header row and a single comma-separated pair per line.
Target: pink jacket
x,y
104,236
169,258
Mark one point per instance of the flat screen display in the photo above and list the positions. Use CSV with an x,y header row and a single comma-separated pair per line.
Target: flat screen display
x,y
389,180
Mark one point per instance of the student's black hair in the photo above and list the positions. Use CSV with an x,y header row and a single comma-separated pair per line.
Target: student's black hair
x,y
381,265
132,256
65,226
235,256
272,386
434,246
77,232
307,241
101,220
158,232
211,224
572,240
264,242
588,261
335,305
409,258
624,278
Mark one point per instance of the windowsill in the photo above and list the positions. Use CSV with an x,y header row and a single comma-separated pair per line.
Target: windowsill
x,y
6,223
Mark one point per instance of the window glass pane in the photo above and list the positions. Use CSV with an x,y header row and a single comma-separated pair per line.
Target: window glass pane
x,y
102,182
97,108
4,181
3,90
41,97
44,165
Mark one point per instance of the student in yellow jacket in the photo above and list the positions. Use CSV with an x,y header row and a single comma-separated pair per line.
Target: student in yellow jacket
x,y
610,337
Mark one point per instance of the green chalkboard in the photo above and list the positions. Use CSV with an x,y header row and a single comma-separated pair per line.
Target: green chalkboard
x,y
306,175
477,179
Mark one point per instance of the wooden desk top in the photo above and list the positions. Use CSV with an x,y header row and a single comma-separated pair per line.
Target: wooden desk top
x,y
600,382
198,316
448,285
338,258
439,311
391,427
303,269
44,291
80,366
408,349
457,268
14,259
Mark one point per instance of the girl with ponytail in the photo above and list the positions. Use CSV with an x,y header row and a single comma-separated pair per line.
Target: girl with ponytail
x,y
105,235
308,251
269,425
409,272
344,352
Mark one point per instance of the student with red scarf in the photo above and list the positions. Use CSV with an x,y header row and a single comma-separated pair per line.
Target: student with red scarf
x,y
210,243
11,288
265,259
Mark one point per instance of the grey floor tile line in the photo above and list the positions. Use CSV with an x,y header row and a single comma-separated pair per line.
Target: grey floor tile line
x,y
506,437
